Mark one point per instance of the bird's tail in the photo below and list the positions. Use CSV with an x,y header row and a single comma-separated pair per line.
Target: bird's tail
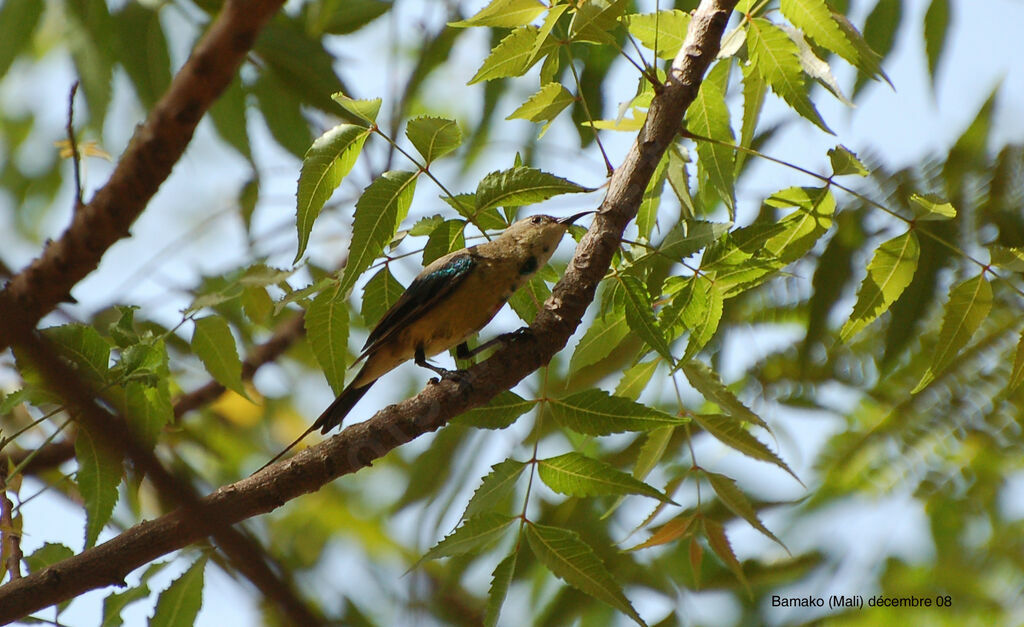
x,y
331,417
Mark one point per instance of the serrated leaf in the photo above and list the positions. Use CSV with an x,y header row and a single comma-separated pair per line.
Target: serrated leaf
x,y
868,61
326,325
214,345
755,91
545,105
635,379
706,381
447,237
433,137
115,602
671,531
99,474
737,502
647,214
698,309
179,604
520,186
381,291
513,55
48,554
499,484
814,18
365,110
777,59
889,273
801,228
709,117
601,338
595,19
526,301
968,306
474,533
501,579
730,431
502,411
465,205
931,207
814,66
640,315
880,28
719,543
663,32
326,163
504,14
570,558
148,410
88,352
574,474
844,161
595,412
381,208
936,32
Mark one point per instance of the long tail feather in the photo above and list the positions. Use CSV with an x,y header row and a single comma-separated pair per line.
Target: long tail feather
x,y
332,417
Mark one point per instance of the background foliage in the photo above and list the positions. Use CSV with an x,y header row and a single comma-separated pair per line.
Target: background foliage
x,y
854,338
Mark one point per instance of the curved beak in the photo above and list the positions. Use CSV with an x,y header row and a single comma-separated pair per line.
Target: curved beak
x,y
573,218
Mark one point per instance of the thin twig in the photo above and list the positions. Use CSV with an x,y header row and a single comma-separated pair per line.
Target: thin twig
x,y
76,158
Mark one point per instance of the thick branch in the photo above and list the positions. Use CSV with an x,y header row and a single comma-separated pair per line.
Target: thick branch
x,y
358,445
144,166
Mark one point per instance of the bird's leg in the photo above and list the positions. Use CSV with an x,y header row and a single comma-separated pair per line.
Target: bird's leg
x,y
421,360
463,351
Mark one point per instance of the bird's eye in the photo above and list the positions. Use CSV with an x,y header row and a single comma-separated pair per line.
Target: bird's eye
x,y
537,219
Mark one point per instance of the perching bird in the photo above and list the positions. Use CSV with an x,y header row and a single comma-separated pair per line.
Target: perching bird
x,y
450,300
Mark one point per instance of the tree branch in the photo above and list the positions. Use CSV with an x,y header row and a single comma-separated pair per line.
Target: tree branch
x,y
144,166
360,444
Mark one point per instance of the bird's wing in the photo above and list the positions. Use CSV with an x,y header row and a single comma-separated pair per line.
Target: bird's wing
x,y
429,288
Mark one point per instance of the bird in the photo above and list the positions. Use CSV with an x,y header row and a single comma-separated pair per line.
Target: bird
x,y
450,300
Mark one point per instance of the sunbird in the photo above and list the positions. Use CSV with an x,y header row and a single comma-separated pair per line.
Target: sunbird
x,y
450,300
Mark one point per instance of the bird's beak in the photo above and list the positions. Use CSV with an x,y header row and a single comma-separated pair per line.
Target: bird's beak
x,y
573,218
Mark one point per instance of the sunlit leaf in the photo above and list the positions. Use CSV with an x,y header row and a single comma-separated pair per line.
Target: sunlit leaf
x,y
574,474
503,13
365,110
663,32
968,306
844,161
513,56
601,338
709,117
889,273
595,412
433,137
931,207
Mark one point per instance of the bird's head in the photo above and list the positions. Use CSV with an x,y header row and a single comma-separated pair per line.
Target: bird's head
x,y
538,236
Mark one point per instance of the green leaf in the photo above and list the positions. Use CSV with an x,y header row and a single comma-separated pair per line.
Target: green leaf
x,y
663,32
473,534
1011,258
1016,374
526,301
545,105
326,325
733,498
572,560
115,602
777,59
595,412
84,347
501,579
213,343
18,20
326,163
228,116
497,486
755,90
282,112
931,207
640,315
504,14
595,20
148,410
968,306
844,161
179,604
47,555
143,51
889,273
574,474
341,17
381,291
298,59
365,110
936,33
697,308
520,186
730,431
433,137
868,61
709,117
647,214
99,474
89,30
465,205
502,411
690,237
880,30
514,55
719,543
706,381
379,211
635,379
814,18
601,338
447,237
801,228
